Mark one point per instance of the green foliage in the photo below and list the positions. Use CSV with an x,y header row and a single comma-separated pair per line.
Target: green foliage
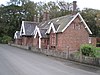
x,y
98,52
89,15
88,50
16,11
6,39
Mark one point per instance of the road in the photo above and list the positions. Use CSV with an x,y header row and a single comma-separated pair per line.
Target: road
x,y
15,61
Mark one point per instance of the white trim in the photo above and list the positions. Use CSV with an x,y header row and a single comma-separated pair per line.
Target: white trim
x,y
39,42
37,31
51,27
78,14
15,36
58,28
85,24
22,28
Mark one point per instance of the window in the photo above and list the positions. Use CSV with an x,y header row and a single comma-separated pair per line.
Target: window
x,y
53,39
76,26
89,39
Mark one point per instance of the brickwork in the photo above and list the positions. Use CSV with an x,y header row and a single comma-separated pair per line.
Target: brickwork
x,y
73,36
44,43
93,41
36,42
18,41
27,40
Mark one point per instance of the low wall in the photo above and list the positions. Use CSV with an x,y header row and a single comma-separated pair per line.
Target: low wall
x,y
63,54
85,59
20,46
51,52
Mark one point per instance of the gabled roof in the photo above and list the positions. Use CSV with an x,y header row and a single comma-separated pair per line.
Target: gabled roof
x,y
40,32
57,25
62,23
82,20
43,31
59,22
17,35
53,27
27,28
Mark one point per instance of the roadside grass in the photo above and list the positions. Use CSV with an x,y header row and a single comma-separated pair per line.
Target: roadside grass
x,y
98,48
98,52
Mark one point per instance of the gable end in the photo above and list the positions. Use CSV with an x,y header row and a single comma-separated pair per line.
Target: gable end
x,y
78,14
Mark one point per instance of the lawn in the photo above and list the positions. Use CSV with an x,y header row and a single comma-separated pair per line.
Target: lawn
x,y
98,52
98,48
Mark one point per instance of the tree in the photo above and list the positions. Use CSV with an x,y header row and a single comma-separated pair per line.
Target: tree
x,y
90,18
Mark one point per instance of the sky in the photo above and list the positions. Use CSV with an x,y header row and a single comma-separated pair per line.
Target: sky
x,y
95,4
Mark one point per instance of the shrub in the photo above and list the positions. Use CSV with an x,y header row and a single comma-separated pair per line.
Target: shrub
x,y
6,39
88,50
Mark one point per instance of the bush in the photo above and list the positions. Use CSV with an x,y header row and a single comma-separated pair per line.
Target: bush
x,y
6,39
88,50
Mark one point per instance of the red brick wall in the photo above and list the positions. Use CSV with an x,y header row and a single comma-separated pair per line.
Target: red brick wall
x,y
27,40
18,41
73,36
36,42
44,43
93,41
98,39
24,40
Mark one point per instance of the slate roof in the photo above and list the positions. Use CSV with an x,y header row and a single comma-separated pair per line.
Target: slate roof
x,y
60,22
43,33
29,27
17,35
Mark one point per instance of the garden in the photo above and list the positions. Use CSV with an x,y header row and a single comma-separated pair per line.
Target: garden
x,y
87,54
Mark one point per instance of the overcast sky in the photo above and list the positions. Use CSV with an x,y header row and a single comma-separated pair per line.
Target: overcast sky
x,y
81,3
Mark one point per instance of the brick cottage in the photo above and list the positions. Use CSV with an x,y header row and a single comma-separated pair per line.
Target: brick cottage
x,y
66,32
27,28
63,33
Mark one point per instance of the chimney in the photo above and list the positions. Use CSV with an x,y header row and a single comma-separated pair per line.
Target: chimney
x,y
74,7
46,15
34,18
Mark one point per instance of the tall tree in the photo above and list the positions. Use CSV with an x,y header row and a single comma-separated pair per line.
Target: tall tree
x,y
90,17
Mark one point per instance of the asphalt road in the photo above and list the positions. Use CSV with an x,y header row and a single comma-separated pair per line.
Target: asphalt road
x,y
15,61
